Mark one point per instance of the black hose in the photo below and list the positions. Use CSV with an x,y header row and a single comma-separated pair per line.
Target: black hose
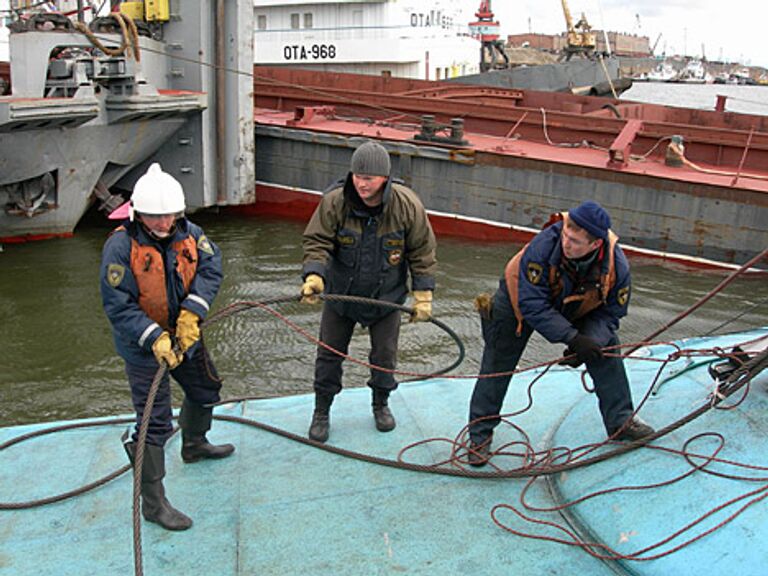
x,y
229,310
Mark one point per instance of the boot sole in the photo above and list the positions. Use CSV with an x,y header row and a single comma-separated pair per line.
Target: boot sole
x,y
172,528
193,459
321,439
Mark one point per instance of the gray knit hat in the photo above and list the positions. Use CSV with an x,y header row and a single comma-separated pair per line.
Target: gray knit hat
x,y
371,159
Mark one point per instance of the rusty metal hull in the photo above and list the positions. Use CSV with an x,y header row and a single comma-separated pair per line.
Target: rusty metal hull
x,y
672,217
523,156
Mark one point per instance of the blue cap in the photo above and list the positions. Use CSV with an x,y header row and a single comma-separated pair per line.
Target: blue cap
x,y
593,218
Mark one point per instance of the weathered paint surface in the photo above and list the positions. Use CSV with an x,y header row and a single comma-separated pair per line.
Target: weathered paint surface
x,y
524,155
655,213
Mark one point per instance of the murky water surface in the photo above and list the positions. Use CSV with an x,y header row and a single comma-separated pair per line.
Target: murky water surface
x,y
57,359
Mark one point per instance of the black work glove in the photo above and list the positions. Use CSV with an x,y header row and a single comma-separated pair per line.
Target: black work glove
x,y
586,350
570,359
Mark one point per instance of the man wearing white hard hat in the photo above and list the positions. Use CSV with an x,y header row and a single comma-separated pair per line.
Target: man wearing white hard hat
x,y
159,276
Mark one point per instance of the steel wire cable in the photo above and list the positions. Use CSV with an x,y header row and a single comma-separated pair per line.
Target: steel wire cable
x,y
739,379
264,304
223,313
528,471
138,466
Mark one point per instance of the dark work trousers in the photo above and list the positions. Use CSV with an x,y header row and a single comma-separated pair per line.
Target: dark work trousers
x,y
336,331
196,375
502,351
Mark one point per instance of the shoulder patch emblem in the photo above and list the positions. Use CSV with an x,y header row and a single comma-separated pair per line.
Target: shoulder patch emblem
x,y
115,274
623,296
204,245
533,272
395,256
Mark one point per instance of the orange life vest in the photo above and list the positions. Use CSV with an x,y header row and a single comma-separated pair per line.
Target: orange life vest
x,y
591,299
149,271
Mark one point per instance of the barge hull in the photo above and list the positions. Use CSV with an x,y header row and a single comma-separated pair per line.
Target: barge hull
x,y
496,197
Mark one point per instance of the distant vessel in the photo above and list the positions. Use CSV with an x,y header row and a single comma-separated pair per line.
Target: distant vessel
x,y
408,39
742,77
694,72
402,38
662,72
578,76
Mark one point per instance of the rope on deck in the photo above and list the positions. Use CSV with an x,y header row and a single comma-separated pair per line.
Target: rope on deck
x,y
535,465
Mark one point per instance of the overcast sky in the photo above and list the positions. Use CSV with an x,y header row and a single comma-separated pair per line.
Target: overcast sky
x,y
734,30
729,29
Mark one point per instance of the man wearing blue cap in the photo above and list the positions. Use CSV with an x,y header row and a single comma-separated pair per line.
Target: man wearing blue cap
x,y
571,284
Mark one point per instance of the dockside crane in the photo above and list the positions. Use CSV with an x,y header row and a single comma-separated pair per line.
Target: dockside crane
x,y
486,29
579,38
656,43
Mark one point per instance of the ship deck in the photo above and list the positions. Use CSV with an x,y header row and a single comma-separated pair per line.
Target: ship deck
x,y
683,185
563,149
280,506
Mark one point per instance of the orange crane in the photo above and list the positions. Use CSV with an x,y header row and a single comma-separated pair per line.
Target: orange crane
x,y
486,29
580,39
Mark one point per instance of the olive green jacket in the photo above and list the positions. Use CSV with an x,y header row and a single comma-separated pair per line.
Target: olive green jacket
x,y
371,255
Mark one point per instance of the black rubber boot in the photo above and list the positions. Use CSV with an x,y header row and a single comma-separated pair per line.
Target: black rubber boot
x,y
154,505
480,452
195,421
385,421
321,418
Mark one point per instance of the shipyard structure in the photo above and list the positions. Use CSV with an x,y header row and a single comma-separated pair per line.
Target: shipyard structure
x,y
405,38
175,83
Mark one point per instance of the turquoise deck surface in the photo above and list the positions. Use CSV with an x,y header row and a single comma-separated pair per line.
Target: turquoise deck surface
x,y
280,507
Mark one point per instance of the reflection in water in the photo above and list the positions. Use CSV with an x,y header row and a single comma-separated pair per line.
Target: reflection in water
x,y
58,360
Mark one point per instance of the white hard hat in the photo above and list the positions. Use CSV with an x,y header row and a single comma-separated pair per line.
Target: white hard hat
x,y
157,193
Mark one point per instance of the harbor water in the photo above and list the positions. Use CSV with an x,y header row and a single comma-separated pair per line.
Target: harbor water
x,y
57,359
743,99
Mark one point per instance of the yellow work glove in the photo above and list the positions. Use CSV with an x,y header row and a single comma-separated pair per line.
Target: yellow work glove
x,y
422,306
187,329
484,305
313,285
164,352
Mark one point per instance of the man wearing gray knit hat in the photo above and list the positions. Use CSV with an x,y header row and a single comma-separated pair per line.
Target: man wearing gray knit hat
x,y
368,236
370,158
571,284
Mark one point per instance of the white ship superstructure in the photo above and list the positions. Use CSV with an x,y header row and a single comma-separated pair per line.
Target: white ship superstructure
x,y
404,38
5,19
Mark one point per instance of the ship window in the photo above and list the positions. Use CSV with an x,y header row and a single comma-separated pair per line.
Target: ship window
x,y
295,21
261,22
308,20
